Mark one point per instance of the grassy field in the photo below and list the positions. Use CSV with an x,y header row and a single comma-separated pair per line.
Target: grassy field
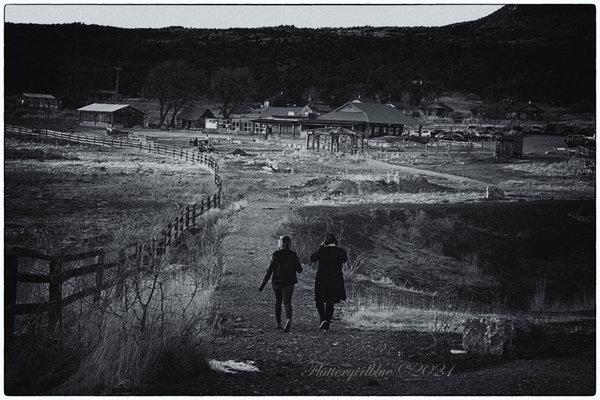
x,y
60,195
487,252
426,252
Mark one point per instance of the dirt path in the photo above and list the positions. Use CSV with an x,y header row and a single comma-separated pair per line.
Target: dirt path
x,y
297,363
449,178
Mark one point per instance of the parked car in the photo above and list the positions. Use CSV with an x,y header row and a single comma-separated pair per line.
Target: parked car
x,y
536,130
579,140
451,137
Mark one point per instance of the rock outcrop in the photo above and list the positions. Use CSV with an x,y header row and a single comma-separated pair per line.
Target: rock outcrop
x,y
503,337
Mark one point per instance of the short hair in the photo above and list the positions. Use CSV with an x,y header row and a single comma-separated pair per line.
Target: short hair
x,y
330,239
286,241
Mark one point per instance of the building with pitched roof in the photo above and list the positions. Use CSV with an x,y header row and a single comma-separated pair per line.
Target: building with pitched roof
x,y
373,119
194,116
114,115
524,111
283,120
39,101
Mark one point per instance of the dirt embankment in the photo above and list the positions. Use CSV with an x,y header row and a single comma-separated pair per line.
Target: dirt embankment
x,y
341,187
491,252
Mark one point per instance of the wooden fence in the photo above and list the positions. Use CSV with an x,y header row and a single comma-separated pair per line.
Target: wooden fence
x,y
144,251
56,277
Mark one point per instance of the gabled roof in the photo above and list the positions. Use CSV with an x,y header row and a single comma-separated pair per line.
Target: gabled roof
x,y
270,112
439,105
39,96
526,107
357,111
194,113
104,107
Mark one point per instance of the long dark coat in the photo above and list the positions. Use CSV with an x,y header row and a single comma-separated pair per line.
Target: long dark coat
x,y
329,283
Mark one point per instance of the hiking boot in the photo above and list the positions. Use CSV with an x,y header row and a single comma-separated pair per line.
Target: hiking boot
x,y
287,326
279,326
323,325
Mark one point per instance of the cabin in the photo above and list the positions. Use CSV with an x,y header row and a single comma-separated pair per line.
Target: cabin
x,y
283,120
198,117
372,119
39,101
110,115
529,111
437,109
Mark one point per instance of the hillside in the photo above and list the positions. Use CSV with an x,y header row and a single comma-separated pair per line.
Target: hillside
x,y
546,53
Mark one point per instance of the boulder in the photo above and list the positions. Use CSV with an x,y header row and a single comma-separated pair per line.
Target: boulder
x,y
123,387
493,193
239,152
506,337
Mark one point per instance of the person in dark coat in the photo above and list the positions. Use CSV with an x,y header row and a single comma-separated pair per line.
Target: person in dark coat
x,y
329,283
282,271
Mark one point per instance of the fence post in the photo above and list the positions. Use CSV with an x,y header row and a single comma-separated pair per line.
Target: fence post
x,y
194,214
55,294
187,217
208,203
11,269
120,276
169,228
101,259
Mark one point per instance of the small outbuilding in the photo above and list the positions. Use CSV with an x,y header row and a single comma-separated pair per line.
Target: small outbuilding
x,y
529,111
196,117
39,101
113,115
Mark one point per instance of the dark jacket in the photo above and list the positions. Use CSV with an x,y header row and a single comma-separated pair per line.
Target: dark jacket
x,y
283,267
329,283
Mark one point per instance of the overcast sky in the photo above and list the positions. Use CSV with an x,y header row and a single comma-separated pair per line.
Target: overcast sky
x,y
211,16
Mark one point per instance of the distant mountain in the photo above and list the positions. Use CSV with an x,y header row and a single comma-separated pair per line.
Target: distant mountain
x,y
530,52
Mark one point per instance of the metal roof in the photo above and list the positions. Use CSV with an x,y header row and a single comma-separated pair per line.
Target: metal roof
x,y
270,112
194,113
104,107
357,111
39,96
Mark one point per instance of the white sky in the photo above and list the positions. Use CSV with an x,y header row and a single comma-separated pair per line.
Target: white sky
x,y
225,16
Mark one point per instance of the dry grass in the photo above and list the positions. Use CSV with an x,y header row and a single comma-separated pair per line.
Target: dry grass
x,y
573,167
150,335
392,198
79,195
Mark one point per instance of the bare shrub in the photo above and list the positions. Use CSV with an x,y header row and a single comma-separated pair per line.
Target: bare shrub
x,y
149,333
538,298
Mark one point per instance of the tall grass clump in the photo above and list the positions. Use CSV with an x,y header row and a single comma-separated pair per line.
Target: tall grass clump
x,y
142,336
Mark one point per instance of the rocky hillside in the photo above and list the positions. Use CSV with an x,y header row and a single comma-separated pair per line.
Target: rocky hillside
x,y
540,52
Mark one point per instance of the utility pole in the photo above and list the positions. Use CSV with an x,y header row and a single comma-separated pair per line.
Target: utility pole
x,y
118,69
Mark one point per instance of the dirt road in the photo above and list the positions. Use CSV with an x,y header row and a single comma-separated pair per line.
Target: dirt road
x,y
344,360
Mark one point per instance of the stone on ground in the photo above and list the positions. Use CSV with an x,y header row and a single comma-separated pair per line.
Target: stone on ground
x,y
503,337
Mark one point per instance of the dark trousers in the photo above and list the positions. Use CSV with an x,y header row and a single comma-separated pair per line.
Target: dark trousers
x,y
325,311
283,294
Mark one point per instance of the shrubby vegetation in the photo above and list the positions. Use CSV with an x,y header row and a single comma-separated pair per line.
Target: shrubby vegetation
x,y
543,53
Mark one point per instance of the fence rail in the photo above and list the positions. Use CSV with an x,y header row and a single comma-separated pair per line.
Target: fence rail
x,y
145,251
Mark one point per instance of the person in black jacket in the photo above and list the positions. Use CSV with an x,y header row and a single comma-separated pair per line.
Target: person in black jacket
x,y
329,282
282,268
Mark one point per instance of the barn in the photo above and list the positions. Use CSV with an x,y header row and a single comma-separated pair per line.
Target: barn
x,y
39,101
113,115
372,119
194,116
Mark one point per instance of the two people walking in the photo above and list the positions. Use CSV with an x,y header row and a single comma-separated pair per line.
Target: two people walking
x,y
329,281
